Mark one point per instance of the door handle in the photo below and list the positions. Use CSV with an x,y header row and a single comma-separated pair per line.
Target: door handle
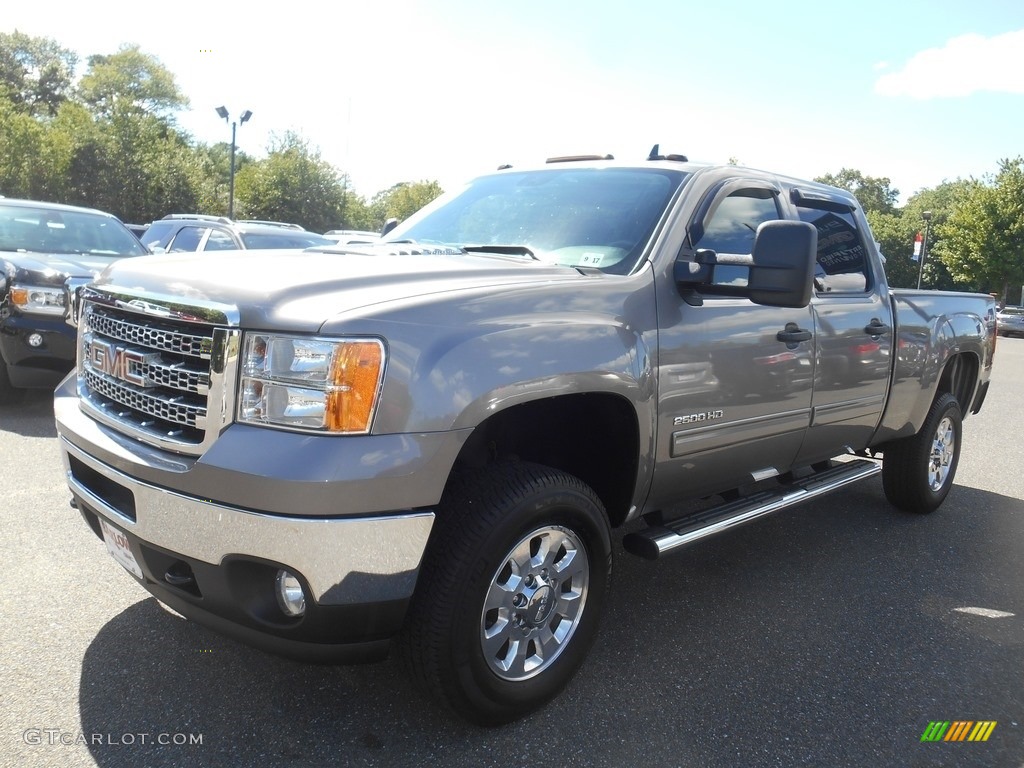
x,y
793,334
876,328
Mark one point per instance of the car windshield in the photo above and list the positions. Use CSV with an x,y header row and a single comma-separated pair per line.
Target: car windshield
x,y
283,239
52,230
578,217
1012,311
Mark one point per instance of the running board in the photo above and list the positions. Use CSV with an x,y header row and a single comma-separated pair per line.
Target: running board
x,y
658,540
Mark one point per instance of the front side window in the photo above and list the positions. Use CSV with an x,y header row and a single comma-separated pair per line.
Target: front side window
x,y
219,241
187,239
732,228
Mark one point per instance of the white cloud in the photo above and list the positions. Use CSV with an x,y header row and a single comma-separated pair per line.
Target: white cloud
x,y
965,65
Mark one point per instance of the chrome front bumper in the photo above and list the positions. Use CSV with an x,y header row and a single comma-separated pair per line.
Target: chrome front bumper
x,y
345,561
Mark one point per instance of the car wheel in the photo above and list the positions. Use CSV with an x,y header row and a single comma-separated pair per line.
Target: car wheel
x,y
918,471
510,591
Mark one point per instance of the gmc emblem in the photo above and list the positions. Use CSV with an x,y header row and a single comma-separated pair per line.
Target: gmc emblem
x,y
119,362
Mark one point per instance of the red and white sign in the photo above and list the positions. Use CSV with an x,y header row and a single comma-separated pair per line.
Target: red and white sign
x,y
917,246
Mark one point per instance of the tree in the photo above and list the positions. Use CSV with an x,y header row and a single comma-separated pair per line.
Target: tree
x,y
35,73
291,184
874,194
401,201
130,79
21,136
983,238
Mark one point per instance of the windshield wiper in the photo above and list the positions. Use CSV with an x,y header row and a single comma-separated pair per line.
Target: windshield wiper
x,y
511,250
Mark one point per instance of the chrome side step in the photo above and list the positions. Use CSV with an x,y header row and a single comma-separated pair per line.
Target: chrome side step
x,y
655,541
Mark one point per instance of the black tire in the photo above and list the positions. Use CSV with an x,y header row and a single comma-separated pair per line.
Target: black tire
x,y
547,607
918,471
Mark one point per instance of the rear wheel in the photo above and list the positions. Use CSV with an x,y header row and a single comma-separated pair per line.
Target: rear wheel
x,y
918,471
510,591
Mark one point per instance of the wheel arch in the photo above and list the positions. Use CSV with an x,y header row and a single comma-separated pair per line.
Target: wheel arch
x,y
592,436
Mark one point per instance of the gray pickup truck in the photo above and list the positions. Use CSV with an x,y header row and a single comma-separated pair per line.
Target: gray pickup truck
x,y
428,441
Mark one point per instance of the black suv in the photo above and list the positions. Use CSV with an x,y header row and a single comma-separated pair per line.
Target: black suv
x,y
42,245
192,232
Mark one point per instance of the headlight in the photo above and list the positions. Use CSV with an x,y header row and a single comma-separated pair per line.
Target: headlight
x,y
42,300
309,383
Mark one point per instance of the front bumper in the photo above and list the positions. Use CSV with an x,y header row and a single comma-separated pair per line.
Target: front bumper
x,y
42,366
213,556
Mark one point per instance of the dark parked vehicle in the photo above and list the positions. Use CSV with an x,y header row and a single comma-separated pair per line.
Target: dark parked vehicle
x,y
186,232
41,246
1010,321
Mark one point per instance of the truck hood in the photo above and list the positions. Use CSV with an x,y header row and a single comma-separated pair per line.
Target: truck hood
x,y
301,290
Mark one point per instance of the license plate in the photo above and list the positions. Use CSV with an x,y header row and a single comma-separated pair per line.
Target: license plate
x,y
117,545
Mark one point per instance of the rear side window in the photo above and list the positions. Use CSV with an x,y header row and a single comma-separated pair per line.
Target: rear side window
x,y
842,257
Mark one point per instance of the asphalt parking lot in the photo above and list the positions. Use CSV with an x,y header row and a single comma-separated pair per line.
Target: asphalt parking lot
x,y
828,635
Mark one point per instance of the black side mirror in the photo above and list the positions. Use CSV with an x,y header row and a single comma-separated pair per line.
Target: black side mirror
x,y
388,226
784,256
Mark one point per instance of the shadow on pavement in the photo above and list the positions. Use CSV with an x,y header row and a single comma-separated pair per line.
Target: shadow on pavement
x,y
824,636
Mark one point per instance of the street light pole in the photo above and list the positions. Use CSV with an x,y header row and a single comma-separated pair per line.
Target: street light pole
x,y
927,216
223,112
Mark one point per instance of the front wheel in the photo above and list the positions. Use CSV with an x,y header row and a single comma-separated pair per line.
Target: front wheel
x,y
918,471
510,591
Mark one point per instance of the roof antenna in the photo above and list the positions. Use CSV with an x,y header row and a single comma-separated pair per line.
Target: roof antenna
x,y
654,153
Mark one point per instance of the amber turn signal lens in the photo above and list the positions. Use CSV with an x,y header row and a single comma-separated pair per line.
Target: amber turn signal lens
x,y
354,383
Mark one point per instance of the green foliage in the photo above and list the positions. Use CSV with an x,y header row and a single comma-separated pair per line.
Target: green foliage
x,y
292,184
401,201
35,73
983,236
21,138
130,79
874,194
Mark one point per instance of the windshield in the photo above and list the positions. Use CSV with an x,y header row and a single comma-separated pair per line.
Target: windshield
x,y
578,217
284,239
56,231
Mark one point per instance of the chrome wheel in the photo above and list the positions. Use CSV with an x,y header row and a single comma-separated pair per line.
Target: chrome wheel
x,y
534,603
942,454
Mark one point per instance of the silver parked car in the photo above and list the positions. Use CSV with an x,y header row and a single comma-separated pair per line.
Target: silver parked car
x,y
1010,321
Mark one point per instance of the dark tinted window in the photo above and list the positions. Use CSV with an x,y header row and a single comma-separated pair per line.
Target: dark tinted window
x,y
735,221
48,230
732,228
187,239
842,258
220,241
159,233
597,217
283,239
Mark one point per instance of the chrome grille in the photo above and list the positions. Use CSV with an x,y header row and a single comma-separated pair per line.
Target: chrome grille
x,y
145,335
150,374
142,403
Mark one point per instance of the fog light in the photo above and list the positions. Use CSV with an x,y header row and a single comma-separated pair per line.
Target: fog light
x,y
35,340
290,597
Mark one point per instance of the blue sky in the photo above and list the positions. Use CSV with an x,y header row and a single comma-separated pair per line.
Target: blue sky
x,y
396,90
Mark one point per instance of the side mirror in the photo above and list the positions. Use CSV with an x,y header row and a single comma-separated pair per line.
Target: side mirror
x,y
784,256
388,226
